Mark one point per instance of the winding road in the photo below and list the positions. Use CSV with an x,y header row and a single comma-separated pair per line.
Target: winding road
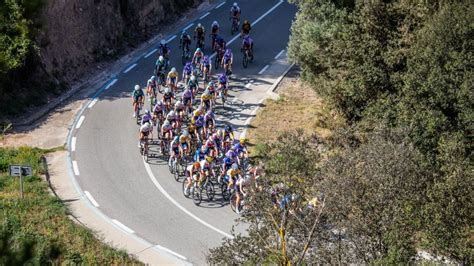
x,y
143,198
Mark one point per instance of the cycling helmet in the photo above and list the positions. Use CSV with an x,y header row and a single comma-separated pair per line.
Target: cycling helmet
x,y
197,165
161,58
185,133
166,123
193,78
147,112
167,90
242,140
214,23
199,25
146,127
235,4
173,69
198,49
178,103
235,166
209,159
209,112
211,83
203,148
163,41
137,87
246,21
228,160
228,128
184,33
171,113
149,82
176,139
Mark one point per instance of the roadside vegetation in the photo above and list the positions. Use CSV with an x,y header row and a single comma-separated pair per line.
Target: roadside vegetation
x,y
37,229
395,176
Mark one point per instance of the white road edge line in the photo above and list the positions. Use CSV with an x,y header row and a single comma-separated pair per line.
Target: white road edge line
x,y
111,84
123,227
263,69
172,252
129,68
171,38
150,53
248,85
91,199
189,26
75,168
219,5
266,13
73,143
249,120
79,123
205,15
93,103
165,193
279,54
253,23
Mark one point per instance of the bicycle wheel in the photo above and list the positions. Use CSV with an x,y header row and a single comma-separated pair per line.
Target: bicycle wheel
x,y
210,191
197,195
216,61
232,200
225,191
186,192
246,60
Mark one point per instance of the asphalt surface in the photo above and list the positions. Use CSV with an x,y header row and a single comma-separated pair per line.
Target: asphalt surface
x,y
111,170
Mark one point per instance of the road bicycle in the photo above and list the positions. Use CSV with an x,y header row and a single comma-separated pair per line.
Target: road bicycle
x,y
138,108
144,148
203,188
186,56
235,26
247,57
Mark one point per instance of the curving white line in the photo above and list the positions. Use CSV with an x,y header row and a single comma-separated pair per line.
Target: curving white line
x,y
73,144
266,13
205,15
129,68
93,103
221,4
163,191
91,199
189,26
110,84
79,123
170,251
171,38
279,54
123,227
75,168
263,69
150,53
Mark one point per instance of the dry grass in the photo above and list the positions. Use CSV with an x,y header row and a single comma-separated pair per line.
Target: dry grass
x,y
298,106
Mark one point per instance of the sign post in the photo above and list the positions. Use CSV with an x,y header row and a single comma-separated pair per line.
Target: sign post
x,y
20,170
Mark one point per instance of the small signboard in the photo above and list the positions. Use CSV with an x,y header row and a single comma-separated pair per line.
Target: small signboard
x,y
20,170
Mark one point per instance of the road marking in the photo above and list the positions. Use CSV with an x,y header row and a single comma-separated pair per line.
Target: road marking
x,y
151,52
221,4
279,54
123,227
263,69
189,26
75,168
93,103
91,199
171,38
73,144
248,85
110,84
129,68
266,13
79,123
205,15
253,23
172,252
165,193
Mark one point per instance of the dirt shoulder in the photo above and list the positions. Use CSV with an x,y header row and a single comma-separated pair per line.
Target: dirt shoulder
x,y
297,107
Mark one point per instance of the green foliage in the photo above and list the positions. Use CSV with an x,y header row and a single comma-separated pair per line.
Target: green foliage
x,y
37,229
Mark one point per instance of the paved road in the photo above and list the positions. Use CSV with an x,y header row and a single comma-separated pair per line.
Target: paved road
x,y
145,197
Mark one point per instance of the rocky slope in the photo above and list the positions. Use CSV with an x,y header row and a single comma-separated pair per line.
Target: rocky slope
x,y
76,33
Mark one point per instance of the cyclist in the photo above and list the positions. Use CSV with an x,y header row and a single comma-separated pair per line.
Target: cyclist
x,y
184,41
239,192
199,33
227,137
235,12
214,32
206,66
206,168
184,143
145,130
168,97
211,147
192,174
206,98
227,61
219,44
172,80
226,165
199,122
158,111
164,51
241,149
166,130
174,150
193,84
146,118
137,98
151,86
222,83
187,97
187,71
232,175
179,110
173,118
212,90
160,67
246,27
209,119
198,55
200,153
247,44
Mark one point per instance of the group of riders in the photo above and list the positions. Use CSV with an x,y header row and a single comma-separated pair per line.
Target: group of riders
x,y
185,119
